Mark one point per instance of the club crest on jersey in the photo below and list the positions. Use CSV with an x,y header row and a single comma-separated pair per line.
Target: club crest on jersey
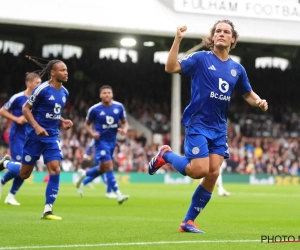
x,y
116,111
195,150
102,152
233,72
64,99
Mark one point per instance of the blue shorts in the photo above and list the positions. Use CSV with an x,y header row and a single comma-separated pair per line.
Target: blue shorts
x,y
49,147
16,148
199,143
103,154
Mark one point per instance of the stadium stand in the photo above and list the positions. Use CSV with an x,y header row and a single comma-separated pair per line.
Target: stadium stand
x,y
274,134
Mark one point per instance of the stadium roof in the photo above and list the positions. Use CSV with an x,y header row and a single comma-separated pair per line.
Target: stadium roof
x,y
34,37
259,21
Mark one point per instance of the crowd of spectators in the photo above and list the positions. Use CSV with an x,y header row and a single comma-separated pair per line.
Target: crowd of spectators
x,y
270,155
258,142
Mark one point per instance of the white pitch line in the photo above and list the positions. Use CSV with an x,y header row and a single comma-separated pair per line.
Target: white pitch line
x,y
129,244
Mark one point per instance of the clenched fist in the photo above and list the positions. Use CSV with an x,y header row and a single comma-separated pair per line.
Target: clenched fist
x,y
181,30
262,104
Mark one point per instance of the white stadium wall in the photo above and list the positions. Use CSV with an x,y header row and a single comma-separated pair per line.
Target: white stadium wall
x,y
261,21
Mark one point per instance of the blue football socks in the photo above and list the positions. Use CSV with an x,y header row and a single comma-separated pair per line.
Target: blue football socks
x,y
14,168
52,188
87,180
179,162
103,177
7,177
13,172
93,172
17,183
199,200
111,181
108,187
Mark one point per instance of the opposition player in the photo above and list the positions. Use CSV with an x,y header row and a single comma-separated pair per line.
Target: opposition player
x,y
109,194
105,116
12,110
43,112
214,76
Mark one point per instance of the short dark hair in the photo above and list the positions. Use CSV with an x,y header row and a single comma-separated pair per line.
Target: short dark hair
x,y
105,87
209,43
31,76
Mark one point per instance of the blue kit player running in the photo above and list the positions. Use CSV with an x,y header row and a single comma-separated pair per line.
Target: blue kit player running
x,y
109,194
43,113
12,110
214,76
105,117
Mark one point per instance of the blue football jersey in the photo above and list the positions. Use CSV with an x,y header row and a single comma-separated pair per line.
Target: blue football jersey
x,y
106,120
14,106
47,105
212,84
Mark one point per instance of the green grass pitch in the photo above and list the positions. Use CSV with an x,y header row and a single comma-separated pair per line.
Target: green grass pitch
x,y
150,218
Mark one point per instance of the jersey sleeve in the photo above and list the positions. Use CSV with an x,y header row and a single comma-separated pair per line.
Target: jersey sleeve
x,y
36,95
243,85
122,113
90,115
67,93
10,104
189,64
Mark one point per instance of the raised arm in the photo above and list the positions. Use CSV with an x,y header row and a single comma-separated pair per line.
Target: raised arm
x,y
172,64
253,99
